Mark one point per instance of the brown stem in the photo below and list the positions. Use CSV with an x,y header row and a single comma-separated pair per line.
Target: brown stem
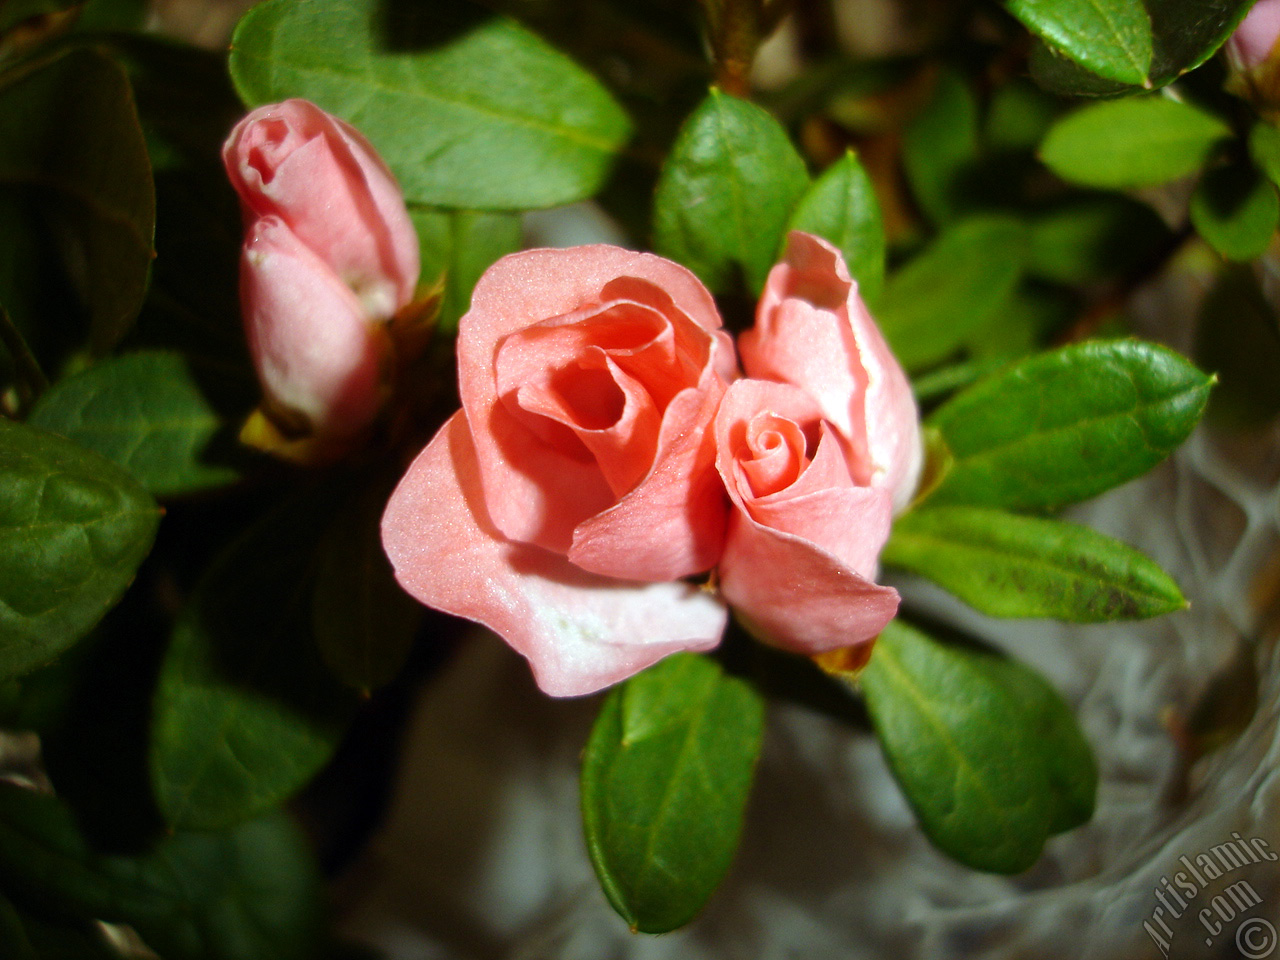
x,y
736,32
31,379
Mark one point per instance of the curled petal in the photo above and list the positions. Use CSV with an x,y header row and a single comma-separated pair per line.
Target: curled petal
x,y
313,348
321,177
580,632
813,331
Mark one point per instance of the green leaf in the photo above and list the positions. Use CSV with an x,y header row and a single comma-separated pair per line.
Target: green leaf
x,y
1110,37
726,192
841,207
1236,211
931,305
457,247
1022,325
485,117
940,148
1138,142
1089,238
145,412
1005,565
988,755
69,133
1018,116
1064,426
364,622
1238,340
1264,147
251,893
665,780
73,529
245,713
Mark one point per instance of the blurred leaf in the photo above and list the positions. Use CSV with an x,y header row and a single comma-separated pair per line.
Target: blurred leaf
x,y
1138,142
73,529
1238,339
940,147
1022,325
726,192
988,755
1264,147
112,15
69,131
1236,210
1018,116
1089,238
364,622
144,411
251,893
245,712
1005,565
1112,38
841,207
1064,426
483,117
665,780
459,246
14,12
931,305
25,936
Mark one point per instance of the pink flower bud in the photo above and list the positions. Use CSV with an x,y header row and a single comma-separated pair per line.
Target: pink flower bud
x,y
330,255
1256,36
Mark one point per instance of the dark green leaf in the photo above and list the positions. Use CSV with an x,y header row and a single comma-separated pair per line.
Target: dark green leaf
x,y
1138,142
73,529
250,893
665,781
1058,74
364,622
1238,340
1065,426
841,207
1110,37
1018,117
144,411
457,247
1235,209
931,305
14,12
25,936
1022,325
1093,237
940,147
1005,565
69,132
245,712
483,117
989,756
726,192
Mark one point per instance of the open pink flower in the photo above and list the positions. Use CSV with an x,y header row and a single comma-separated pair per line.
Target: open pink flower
x,y
817,450
560,506
330,255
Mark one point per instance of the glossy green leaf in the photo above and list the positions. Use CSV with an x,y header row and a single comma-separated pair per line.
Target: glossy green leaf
x,y
457,247
245,713
1110,37
1064,426
988,755
940,147
482,116
1005,565
1148,141
146,412
251,893
930,306
665,780
1236,210
73,529
364,622
841,207
69,133
726,192
1089,238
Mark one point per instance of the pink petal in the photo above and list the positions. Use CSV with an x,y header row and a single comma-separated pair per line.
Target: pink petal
x,y
580,632
796,596
325,181
314,350
540,486
812,330
1256,36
